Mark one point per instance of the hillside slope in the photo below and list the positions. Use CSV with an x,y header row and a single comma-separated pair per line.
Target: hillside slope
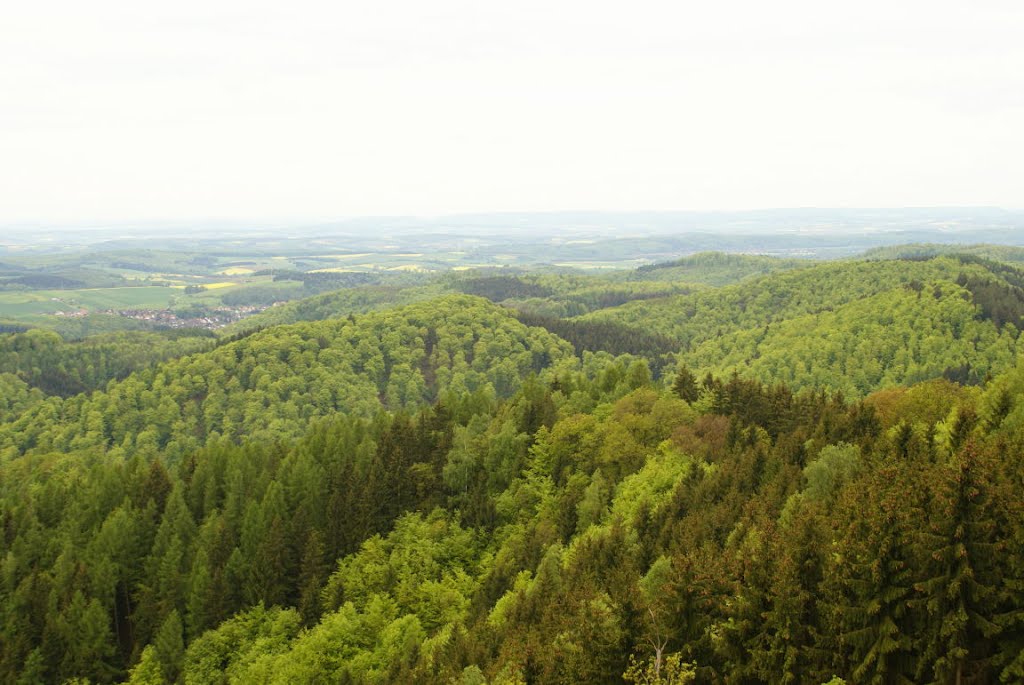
x,y
853,326
716,268
45,360
331,305
1002,253
270,384
542,539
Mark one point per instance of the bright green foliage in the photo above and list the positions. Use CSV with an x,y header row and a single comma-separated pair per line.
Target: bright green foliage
x,y
854,327
440,494
563,295
425,566
383,603
148,671
650,489
894,338
16,396
673,672
702,315
221,655
268,385
834,467
1002,408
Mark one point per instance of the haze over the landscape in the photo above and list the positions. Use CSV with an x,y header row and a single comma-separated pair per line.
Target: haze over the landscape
x,y
117,111
525,343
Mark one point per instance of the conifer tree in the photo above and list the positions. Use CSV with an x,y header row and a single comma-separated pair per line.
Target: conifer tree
x,y
313,570
170,646
875,576
148,671
685,384
961,590
89,641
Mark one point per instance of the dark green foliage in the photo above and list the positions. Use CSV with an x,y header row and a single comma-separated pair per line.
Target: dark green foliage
x,y
685,385
440,493
317,281
501,288
603,336
45,282
964,573
1000,303
170,647
57,367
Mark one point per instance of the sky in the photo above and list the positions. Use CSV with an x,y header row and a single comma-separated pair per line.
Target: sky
x,y
120,110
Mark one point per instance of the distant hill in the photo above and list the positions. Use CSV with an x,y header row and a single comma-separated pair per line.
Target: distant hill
x,y
1001,253
716,268
333,304
852,326
383,485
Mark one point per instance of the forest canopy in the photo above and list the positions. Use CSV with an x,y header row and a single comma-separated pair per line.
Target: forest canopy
x,y
802,473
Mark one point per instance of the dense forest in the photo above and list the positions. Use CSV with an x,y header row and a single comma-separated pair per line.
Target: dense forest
x,y
714,268
44,360
849,326
796,473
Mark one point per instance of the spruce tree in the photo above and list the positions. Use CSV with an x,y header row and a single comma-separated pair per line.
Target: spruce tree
x,y
170,646
875,581
685,384
960,592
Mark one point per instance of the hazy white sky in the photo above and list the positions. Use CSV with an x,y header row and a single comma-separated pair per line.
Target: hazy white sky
x,y
122,110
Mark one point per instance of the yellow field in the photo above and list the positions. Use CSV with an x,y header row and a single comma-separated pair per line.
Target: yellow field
x,y
235,271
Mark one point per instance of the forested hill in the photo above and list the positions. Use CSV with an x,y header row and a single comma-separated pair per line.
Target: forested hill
x,y
45,360
270,384
547,293
716,268
333,304
592,528
1002,253
851,326
449,491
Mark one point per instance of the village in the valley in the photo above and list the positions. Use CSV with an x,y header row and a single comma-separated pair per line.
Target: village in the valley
x,y
167,318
